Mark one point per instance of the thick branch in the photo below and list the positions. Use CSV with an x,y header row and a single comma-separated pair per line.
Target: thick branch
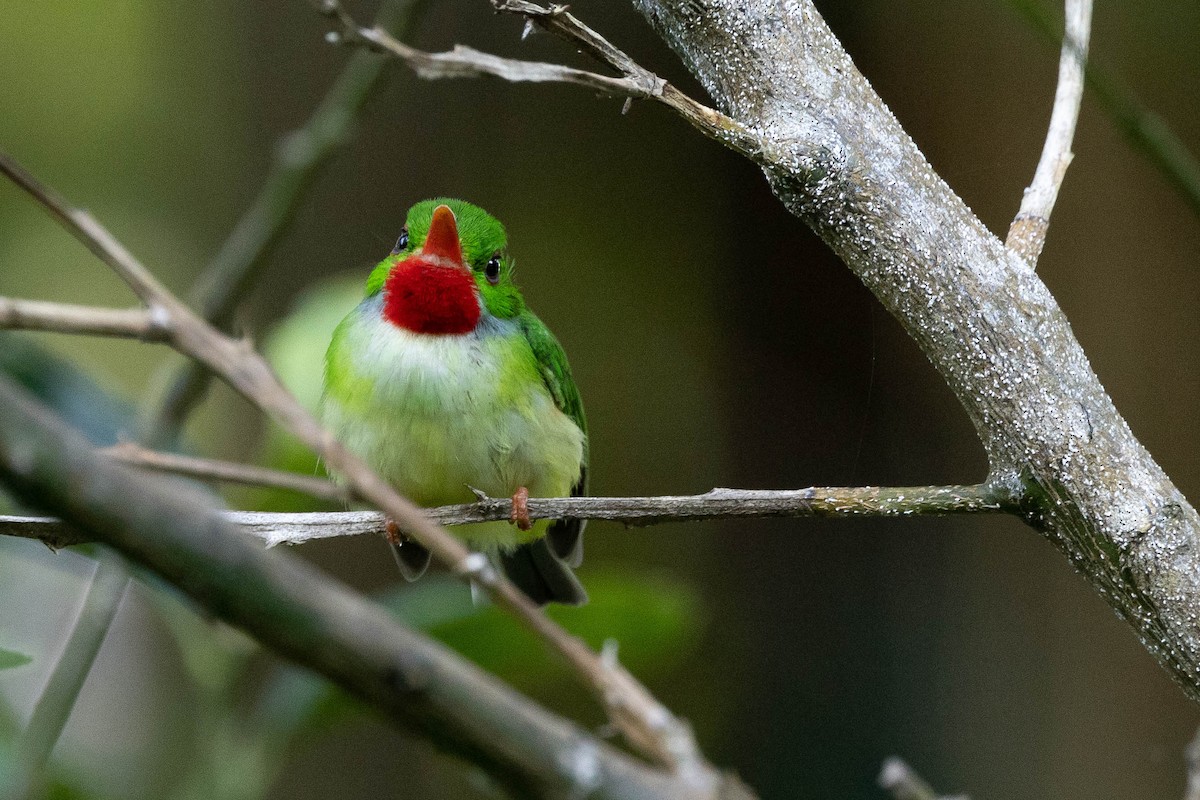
x,y
840,161
310,618
1027,235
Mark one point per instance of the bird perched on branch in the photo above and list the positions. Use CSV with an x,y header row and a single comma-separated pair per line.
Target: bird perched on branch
x,y
444,382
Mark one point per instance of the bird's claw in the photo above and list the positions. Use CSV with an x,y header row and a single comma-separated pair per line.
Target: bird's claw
x,y
392,531
520,509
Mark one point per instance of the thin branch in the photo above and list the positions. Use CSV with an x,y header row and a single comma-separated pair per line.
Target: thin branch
x,y
646,723
866,501
53,707
719,503
298,160
903,783
37,315
1147,131
1192,756
307,616
225,471
1027,235
633,83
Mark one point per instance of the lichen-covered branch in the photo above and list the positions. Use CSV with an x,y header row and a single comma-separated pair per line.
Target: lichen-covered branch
x,y
308,617
1027,234
839,160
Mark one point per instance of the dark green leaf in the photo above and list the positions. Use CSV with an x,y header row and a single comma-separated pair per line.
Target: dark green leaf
x,y
10,659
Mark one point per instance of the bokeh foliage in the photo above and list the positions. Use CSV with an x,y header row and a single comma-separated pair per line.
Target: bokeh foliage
x,y
716,343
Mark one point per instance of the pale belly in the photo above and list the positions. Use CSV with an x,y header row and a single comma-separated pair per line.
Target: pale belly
x,y
439,415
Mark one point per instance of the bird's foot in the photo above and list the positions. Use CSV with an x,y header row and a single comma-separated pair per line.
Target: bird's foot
x,y
520,509
392,531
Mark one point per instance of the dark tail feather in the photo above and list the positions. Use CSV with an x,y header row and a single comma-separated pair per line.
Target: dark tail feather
x,y
411,558
566,541
538,573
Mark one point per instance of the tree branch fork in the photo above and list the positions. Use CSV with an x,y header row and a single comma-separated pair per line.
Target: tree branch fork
x,y
863,239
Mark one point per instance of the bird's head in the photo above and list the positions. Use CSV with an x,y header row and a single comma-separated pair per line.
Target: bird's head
x,y
449,267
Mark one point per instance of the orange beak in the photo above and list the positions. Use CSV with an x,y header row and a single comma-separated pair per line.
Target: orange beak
x,y
442,243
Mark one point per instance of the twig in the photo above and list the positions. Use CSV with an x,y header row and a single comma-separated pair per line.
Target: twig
x,y
1027,235
1192,756
634,82
36,315
54,706
899,779
314,620
645,722
298,160
225,471
1146,130
719,503
276,528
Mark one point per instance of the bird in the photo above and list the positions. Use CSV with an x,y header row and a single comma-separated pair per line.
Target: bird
x,y
447,385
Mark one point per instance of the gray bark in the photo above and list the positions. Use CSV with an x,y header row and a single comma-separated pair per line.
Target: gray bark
x,y
839,160
300,613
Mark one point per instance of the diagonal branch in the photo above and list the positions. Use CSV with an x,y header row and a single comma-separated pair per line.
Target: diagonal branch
x,y
633,83
645,722
316,621
68,674
298,160
899,780
841,162
225,471
1027,234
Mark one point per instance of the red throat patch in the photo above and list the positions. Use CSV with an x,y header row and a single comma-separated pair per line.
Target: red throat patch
x,y
425,298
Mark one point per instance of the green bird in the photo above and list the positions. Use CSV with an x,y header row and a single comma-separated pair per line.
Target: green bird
x,y
445,382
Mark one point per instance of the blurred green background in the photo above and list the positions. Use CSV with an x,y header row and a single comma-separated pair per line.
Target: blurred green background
x,y
716,343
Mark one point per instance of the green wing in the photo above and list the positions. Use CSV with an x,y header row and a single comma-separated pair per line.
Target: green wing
x,y
566,536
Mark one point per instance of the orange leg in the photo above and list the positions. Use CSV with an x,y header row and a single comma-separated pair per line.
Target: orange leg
x,y
520,509
392,531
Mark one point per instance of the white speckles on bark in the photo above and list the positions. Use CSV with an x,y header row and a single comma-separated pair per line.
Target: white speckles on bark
x,y
839,160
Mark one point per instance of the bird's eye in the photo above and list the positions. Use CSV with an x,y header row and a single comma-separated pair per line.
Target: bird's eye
x,y
402,242
492,270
